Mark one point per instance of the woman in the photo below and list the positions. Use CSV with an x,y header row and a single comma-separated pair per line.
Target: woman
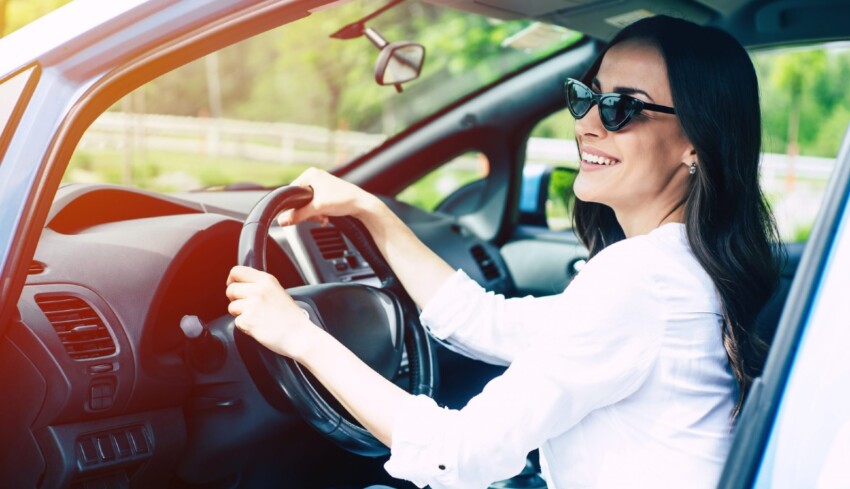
x,y
633,375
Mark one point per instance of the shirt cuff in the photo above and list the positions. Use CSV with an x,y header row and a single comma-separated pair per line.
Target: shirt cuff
x,y
441,312
422,450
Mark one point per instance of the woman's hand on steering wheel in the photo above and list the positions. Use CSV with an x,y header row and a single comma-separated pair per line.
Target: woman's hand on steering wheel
x,y
265,311
332,197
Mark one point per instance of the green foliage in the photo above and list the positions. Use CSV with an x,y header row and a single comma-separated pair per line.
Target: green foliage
x,y
429,191
808,84
298,74
19,13
560,125
560,198
801,233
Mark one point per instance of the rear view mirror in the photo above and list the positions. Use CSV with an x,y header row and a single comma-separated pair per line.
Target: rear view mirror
x,y
399,62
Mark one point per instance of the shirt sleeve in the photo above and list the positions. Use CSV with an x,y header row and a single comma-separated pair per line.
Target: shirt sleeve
x,y
604,354
484,325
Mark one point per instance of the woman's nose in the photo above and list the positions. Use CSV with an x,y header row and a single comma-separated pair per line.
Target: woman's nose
x,y
590,124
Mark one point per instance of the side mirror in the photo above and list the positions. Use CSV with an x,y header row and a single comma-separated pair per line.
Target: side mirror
x,y
399,62
546,197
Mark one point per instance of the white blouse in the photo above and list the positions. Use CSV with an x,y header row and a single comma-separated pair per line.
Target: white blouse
x,y
621,380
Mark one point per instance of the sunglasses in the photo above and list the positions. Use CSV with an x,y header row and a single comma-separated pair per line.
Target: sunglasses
x,y
615,109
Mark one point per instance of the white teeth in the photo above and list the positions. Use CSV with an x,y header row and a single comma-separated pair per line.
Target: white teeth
x,y
596,159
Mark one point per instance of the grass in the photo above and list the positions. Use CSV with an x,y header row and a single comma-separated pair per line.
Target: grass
x,y
163,171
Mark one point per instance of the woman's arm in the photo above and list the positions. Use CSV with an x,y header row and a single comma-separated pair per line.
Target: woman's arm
x,y
472,321
484,325
605,355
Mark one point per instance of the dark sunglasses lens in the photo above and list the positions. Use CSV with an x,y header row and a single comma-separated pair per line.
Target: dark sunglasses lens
x,y
616,111
579,98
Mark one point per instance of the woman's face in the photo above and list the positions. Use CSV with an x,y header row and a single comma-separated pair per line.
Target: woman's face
x,y
649,157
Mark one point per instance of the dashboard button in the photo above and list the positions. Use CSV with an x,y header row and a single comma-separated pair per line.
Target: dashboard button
x,y
88,450
123,444
100,368
105,448
139,441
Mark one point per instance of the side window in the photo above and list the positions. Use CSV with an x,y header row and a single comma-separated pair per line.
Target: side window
x,y
805,110
551,165
448,185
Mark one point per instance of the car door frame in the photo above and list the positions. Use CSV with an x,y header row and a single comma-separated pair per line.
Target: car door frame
x,y
111,56
757,419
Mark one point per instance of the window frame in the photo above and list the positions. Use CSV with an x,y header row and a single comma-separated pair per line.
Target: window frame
x,y
757,420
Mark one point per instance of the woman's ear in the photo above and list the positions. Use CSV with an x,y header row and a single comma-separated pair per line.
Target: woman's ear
x,y
689,156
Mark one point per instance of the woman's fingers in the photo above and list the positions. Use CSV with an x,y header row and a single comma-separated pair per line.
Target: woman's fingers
x,y
294,216
240,323
307,177
331,197
241,273
239,290
286,218
307,213
236,307
245,283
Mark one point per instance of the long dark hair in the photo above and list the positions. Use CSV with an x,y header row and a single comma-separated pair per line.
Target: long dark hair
x,y
729,225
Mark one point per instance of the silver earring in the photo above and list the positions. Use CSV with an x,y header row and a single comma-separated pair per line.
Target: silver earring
x,y
693,168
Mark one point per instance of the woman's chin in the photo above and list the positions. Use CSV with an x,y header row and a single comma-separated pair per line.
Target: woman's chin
x,y
586,191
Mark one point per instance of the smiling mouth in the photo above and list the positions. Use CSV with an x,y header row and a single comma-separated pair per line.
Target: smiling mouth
x,y
598,160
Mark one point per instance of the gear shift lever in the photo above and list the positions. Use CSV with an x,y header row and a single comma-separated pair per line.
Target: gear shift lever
x,y
205,351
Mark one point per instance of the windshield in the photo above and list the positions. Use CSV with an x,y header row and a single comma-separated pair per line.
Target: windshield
x,y
263,110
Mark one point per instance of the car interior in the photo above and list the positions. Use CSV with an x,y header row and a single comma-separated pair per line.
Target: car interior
x,y
110,386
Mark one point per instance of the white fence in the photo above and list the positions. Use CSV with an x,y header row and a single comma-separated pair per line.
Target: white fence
x,y
269,142
278,142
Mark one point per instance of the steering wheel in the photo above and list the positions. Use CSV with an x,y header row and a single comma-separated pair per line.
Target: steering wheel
x,y
375,323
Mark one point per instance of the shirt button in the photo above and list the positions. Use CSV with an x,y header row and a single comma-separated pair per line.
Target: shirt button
x,y
441,467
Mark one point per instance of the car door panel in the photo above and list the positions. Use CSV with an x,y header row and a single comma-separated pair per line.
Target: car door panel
x,y
543,262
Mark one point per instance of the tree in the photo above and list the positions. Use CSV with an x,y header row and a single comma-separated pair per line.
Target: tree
x,y
800,90
15,14
4,6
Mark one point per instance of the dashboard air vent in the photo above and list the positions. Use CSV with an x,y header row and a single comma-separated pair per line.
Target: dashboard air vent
x,y
485,263
329,241
35,268
79,327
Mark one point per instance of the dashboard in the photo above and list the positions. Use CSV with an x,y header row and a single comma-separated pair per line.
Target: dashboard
x,y
97,356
